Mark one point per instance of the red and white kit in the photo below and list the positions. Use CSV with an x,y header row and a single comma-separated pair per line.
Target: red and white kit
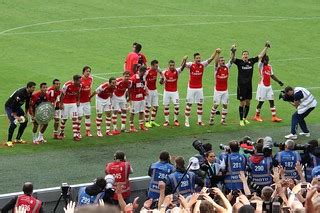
x,y
171,86
137,94
103,98
152,98
221,75
54,98
264,90
195,90
71,93
84,107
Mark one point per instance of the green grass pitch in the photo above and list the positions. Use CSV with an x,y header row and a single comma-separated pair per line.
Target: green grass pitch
x,y
43,40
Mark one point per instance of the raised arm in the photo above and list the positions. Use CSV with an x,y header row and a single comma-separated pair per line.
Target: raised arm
x,y
264,50
214,55
233,53
183,63
277,80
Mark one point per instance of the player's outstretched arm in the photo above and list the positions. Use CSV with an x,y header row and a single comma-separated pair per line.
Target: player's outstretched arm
x,y
214,55
183,63
233,53
264,50
277,80
93,94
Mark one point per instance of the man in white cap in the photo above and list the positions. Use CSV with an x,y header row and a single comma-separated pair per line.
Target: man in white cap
x,y
199,174
109,191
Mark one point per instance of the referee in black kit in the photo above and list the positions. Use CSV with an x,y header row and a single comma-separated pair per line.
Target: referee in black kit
x,y
245,72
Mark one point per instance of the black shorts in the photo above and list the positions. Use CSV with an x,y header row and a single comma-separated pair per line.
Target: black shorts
x,y
244,92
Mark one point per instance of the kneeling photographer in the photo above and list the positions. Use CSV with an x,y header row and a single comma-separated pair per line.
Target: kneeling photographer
x,y
235,163
305,102
259,168
93,193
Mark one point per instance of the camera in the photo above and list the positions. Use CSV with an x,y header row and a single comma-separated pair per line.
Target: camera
x,y
198,145
65,189
224,147
303,147
286,97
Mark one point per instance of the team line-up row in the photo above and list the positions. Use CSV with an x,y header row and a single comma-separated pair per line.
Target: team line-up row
x,y
138,87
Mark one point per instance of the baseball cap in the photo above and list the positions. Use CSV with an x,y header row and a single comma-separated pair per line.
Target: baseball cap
x,y
110,181
194,163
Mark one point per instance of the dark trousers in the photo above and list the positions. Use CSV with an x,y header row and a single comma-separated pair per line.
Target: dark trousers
x,y
299,119
12,126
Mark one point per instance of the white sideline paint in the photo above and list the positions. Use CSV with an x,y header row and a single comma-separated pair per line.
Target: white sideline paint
x,y
7,32
126,17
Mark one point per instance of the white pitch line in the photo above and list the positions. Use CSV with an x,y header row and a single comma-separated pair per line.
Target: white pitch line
x,y
160,25
107,73
208,96
141,16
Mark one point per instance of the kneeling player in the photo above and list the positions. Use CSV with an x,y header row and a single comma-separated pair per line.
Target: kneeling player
x,y
119,102
103,104
221,94
264,91
69,102
36,99
137,94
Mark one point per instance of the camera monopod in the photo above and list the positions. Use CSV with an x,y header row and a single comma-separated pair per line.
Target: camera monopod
x,y
184,174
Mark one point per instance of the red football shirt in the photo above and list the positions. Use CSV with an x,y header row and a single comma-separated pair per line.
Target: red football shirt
x,y
265,74
171,80
221,76
37,98
137,90
70,92
121,87
151,79
104,91
85,91
131,60
196,73
54,96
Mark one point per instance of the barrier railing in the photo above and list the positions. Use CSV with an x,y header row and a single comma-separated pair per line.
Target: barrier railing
x,y
50,196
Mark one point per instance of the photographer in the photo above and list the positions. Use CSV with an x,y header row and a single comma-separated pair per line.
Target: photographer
x,y
311,158
26,200
235,163
305,102
93,193
158,172
120,169
187,184
259,168
288,160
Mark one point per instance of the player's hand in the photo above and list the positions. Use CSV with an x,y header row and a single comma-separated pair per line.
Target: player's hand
x,y
185,57
161,81
233,48
218,50
267,44
280,83
78,103
61,106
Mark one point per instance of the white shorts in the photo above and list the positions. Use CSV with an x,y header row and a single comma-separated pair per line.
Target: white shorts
x,y
84,109
220,97
57,114
137,106
69,111
103,105
119,103
194,96
264,93
152,99
167,96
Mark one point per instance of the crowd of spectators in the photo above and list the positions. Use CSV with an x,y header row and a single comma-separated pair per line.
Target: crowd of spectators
x,y
245,177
